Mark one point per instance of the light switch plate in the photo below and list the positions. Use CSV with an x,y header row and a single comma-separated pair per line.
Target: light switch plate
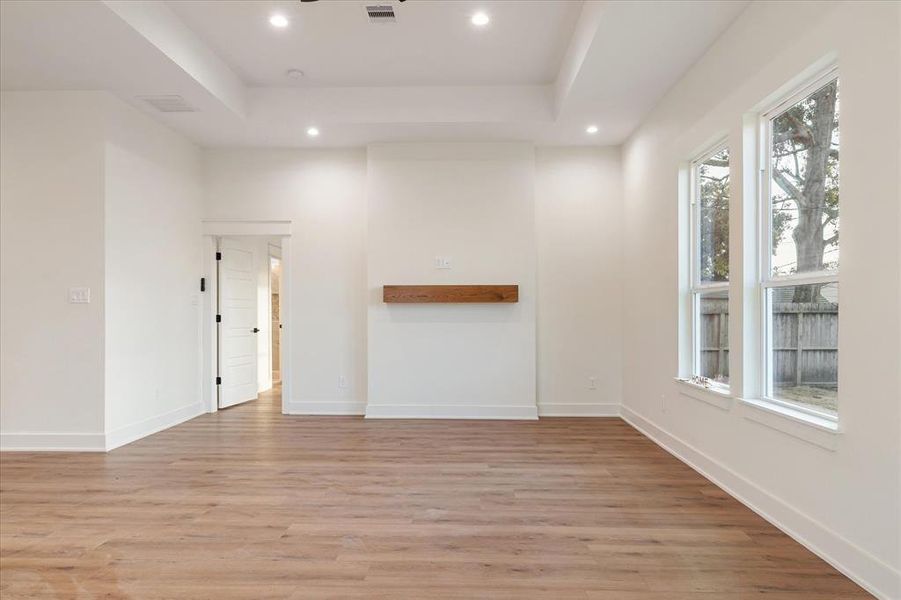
x,y
443,262
79,295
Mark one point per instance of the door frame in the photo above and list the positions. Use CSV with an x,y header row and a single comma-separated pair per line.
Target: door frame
x,y
211,230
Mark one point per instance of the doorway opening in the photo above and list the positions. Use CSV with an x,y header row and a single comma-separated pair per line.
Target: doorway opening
x,y
244,345
247,329
275,275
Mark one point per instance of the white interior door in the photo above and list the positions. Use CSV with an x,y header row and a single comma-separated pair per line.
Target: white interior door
x,y
238,329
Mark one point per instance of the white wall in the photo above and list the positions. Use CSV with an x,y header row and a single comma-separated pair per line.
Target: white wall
x,y
578,215
322,194
96,194
842,502
153,264
474,203
575,235
51,238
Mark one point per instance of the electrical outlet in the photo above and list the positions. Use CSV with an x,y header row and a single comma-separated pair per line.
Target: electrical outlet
x,y
592,383
342,382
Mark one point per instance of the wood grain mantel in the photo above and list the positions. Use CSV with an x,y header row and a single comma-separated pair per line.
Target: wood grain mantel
x,y
451,294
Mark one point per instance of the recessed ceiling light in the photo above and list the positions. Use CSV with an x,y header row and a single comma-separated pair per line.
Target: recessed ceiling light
x,y
480,19
280,21
312,132
294,74
591,129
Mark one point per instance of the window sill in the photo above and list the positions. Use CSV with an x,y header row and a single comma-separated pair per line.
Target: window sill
x,y
712,396
819,431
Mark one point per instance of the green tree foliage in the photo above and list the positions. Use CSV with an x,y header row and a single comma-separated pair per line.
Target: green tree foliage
x,y
713,197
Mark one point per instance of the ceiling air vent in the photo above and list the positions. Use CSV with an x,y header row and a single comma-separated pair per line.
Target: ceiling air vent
x,y
168,104
380,13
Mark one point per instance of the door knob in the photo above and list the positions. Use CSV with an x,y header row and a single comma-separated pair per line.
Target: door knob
x,y
256,329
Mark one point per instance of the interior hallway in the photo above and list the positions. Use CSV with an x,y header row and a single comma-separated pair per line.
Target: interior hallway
x,y
247,503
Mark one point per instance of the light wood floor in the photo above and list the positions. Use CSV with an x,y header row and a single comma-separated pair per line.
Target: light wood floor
x,y
250,504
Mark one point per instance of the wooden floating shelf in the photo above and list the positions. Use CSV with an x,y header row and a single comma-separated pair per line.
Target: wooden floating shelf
x,y
449,294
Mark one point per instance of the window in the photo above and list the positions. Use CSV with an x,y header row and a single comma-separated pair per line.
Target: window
x,y
710,267
801,249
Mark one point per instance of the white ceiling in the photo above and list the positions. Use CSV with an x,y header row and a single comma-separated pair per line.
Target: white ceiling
x,y
432,42
540,71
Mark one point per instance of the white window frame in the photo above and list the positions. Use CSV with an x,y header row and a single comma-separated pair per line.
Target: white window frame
x,y
768,282
696,286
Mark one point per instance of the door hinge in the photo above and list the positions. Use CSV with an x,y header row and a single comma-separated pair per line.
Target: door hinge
x,y
218,256
218,318
203,284
218,381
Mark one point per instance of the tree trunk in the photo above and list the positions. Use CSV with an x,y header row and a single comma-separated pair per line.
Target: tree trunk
x,y
808,234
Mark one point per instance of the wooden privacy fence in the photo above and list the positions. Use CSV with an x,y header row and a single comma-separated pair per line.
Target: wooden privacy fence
x,y
805,342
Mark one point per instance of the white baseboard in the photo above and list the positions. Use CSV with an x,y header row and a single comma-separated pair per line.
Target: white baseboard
x,y
455,411
877,577
52,442
141,429
325,407
562,409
